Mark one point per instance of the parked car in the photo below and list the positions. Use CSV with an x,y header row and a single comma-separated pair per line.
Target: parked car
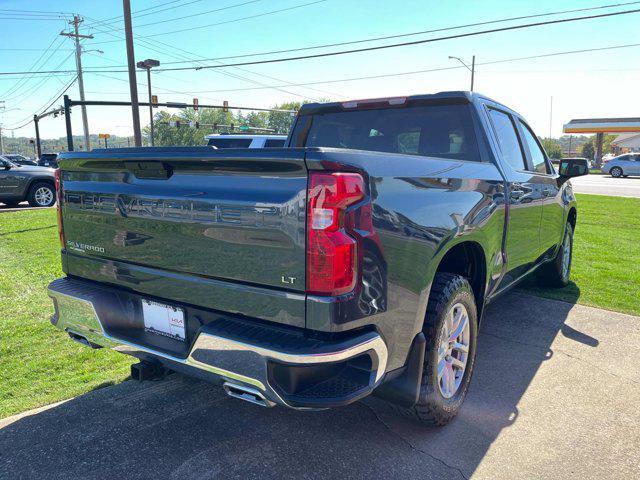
x,y
24,182
48,160
606,157
246,141
358,261
20,160
623,165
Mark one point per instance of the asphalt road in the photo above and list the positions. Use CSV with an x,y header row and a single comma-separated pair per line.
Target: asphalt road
x,y
555,395
607,185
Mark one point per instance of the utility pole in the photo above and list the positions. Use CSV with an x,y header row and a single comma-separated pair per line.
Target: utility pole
x,y
131,62
77,20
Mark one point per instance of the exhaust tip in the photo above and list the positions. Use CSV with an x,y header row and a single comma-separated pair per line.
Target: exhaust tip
x,y
247,394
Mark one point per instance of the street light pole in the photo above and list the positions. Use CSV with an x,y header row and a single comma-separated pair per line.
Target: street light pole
x,y
471,68
147,65
473,71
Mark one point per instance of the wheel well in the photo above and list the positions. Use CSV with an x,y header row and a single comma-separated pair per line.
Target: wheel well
x,y
48,181
572,218
467,259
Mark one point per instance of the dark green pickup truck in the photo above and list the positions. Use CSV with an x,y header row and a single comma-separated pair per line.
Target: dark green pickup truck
x,y
357,261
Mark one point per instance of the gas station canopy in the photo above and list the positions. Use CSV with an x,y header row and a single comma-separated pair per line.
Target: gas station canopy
x,y
603,125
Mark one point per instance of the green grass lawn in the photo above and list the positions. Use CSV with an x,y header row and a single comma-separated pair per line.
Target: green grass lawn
x,y
606,256
40,365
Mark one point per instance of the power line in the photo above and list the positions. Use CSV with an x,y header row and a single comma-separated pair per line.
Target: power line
x,y
43,108
405,44
138,14
272,12
437,69
152,42
37,64
423,32
37,85
228,7
369,49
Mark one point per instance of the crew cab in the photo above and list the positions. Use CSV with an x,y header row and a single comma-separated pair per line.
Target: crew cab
x,y
358,260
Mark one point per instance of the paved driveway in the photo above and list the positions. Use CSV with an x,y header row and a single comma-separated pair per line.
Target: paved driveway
x,y
555,395
607,185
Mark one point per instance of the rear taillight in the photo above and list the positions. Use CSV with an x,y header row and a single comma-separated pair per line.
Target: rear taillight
x,y
59,197
332,256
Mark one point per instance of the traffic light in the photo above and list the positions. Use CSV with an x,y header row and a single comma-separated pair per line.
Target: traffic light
x,y
225,106
195,104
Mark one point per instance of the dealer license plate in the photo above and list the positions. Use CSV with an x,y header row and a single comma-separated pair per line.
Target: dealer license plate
x,y
163,319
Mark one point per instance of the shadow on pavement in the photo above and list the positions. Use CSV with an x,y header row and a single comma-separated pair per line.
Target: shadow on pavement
x,y
183,428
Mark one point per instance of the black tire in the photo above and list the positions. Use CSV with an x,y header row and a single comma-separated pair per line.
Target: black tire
x,y
433,408
616,172
553,274
35,199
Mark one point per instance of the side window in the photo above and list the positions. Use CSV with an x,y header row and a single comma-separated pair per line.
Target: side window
x,y
508,139
230,142
537,154
273,143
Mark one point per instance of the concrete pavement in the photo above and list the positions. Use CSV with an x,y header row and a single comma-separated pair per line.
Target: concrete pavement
x,y
555,395
607,185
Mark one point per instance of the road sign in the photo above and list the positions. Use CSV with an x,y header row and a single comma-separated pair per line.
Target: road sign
x,y
154,101
225,106
195,104
104,135
243,128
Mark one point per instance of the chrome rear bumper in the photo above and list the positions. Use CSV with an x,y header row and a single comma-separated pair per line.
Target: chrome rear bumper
x,y
230,359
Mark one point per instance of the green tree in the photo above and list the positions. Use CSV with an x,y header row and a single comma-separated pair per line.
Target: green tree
x,y
552,147
281,122
588,150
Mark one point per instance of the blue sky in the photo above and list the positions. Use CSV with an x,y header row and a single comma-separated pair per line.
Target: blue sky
x,y
582,85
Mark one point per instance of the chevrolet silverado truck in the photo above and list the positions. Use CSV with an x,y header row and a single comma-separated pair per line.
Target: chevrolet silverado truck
x,y
358,260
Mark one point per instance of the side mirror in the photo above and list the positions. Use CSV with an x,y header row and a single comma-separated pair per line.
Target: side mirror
x,y
573,167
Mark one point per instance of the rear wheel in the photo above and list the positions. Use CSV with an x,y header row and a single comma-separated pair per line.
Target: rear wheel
x,y
41,194
451,329
556,273
616,172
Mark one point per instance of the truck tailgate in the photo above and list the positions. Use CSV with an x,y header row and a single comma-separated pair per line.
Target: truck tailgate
x,y
232,215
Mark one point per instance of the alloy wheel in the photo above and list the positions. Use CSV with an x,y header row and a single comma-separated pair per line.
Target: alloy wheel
x,y
43,196
453,351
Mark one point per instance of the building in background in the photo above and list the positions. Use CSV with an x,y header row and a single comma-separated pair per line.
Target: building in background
x,y
600,126
625,143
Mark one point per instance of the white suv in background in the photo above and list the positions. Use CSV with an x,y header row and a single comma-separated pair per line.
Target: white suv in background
x,y
246,141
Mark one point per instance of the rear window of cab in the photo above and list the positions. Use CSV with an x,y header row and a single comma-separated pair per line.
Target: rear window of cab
x,y
430,130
